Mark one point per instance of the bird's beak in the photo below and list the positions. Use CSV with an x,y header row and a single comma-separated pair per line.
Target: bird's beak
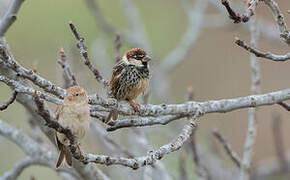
x,y
146,59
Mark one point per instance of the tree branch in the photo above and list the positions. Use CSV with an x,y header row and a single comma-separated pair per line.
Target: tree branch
x,y
279,143
236,17
37,153
9,101
233,155
117,48
252,124
284,32
11,63
285,105
10,16
85,57
258,53
189,108
69,78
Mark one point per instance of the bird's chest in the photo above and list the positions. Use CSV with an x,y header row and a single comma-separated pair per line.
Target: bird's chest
x,y
75,118
133,82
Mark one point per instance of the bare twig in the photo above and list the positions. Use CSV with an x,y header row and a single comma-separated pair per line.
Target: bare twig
x,y
233,155
137,32
69,78
16,86
195,14
252,125
182,166
9,101
236,17
259,53
285,105
10,16
279,143
37,153
85,57
111,145
284,32
10,62
117,48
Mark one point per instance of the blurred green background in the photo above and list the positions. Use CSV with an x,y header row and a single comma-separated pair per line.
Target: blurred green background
x,y
214,66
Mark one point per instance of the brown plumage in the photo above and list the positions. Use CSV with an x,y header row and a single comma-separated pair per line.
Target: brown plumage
x,y
74,114
130,78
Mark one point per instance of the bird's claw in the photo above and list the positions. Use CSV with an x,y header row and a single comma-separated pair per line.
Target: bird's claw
x,y
135,106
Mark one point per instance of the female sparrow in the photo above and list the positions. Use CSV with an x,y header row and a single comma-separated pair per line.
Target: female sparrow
x,y
74,114
130,78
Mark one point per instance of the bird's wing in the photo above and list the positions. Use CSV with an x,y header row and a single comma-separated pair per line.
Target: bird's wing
x,y
117,70
58,111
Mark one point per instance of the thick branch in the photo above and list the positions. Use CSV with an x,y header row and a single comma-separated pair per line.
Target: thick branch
x,y
38,154
259,53
11,63
189,108
10,16
9,101
19,88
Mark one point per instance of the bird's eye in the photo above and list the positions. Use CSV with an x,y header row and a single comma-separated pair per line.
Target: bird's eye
x,y
77,94
139,57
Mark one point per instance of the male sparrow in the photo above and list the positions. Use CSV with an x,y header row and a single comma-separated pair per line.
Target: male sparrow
x,y
74,114
130,78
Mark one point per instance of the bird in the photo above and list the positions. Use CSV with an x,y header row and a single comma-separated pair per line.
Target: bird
x,y
74,114
130,78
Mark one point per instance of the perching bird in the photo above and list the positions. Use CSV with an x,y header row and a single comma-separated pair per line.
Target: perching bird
x,y
130,78
74,114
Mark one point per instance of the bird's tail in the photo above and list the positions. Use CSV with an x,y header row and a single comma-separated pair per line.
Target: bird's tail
x,y
64,154
112,115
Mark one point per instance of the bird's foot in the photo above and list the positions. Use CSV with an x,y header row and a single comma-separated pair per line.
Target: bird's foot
x,y
81,155
135,106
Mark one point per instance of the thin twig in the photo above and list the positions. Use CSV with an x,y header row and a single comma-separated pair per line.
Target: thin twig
x,y
69,78
117,48
9,101
285,105
182,166
258,53
233,155
85,57
10,16
279,143
252,122
284,32
236,17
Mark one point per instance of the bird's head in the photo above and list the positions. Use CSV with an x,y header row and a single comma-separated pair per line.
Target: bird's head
x,y
137,57
76,95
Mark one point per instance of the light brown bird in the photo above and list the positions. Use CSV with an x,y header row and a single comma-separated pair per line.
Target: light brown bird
x,y
130,78
74,114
